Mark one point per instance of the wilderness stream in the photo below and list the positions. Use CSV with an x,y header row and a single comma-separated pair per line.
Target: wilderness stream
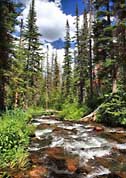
x,y
62,149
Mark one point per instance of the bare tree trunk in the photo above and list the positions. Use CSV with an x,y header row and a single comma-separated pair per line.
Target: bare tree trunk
x,y
16,99
2,93
115,78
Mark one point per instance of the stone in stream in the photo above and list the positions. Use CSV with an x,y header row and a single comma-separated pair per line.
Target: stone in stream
x,y
38,172
98,129
61,161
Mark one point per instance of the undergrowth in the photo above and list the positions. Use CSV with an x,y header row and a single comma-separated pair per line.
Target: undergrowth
x,y
72,111
113,111
15,132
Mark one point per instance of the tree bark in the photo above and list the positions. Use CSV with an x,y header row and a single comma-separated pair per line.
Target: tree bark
x,y
2,92
115,78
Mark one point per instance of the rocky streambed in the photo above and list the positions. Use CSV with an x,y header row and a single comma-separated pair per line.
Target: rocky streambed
x,y
62,149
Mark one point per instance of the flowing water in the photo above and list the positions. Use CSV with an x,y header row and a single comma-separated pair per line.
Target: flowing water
x,y
62,149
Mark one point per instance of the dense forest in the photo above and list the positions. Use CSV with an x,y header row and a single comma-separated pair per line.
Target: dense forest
x,y
91,78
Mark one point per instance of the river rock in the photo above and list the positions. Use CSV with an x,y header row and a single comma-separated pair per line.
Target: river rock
x,y
98,128
38,172
72,164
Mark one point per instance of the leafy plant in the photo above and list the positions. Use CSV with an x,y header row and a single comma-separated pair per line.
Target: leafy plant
x,y
72,111
113,111
14,137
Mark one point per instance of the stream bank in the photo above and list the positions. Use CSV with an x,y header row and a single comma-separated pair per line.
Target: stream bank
x,y
63,149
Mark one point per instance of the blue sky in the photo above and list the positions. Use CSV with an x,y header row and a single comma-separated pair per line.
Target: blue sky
x,y
51,21
69,6
52,16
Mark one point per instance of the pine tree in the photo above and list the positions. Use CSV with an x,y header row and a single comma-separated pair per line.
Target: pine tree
x,y
120,36
76,53
34,55
105,61
48,80
17,80
56,79
67,70
81,57
8,16
56,90
83,60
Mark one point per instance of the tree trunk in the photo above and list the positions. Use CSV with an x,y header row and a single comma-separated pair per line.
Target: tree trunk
x,y
16,99
114,78
90,69
2,92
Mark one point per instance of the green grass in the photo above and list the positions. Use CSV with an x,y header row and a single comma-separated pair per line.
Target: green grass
x,y
14,137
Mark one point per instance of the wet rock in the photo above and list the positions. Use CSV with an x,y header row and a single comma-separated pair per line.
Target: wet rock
x,y
43,126
56,152
60,160
38,172
121,147
63,175
98,128
112,175
35,159
121,174
115,136
20,175
60,131
85,169
72,164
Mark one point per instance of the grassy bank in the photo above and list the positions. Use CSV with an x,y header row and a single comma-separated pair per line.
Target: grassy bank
x,y
14,137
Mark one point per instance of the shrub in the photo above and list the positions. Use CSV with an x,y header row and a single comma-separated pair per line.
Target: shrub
x,y
113,111
71,111
14,136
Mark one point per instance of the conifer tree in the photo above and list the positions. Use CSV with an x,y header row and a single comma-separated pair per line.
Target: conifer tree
x,y
76,53
83,60
103,47
48,79
56,78
120,36
8,16
33,53
17,80
56,89
81,57
67,70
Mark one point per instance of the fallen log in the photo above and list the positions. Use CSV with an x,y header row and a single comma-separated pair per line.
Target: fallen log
x,y
91,116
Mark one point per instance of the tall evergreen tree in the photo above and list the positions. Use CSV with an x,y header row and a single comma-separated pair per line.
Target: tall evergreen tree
x,y
120,36
103,47
48,79
56,79
17,81
33,52
8,16
76,53
67,70
83,60
81,57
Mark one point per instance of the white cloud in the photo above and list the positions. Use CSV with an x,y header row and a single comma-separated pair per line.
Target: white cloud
x,y
51,20
60,55
51,50
58,3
